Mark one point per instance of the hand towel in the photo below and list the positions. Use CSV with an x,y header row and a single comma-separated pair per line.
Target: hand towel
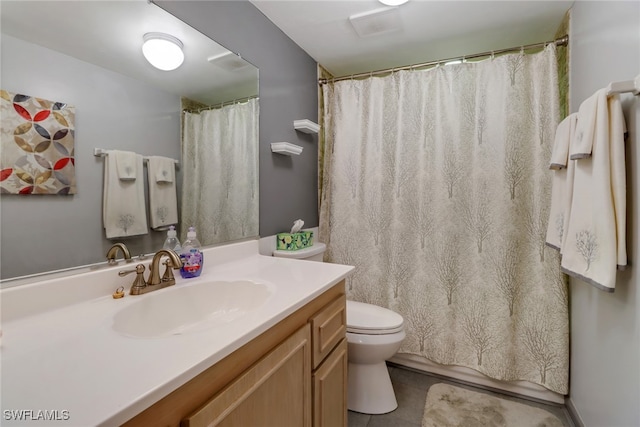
x,y
560,153
618,129
593,110
164,168
125,164
562,183
123,209
595,244
163,201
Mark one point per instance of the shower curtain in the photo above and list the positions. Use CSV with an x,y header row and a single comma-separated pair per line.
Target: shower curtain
x,y
220,179
436,188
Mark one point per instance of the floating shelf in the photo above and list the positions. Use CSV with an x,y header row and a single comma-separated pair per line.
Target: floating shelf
x,y
306,126
285,148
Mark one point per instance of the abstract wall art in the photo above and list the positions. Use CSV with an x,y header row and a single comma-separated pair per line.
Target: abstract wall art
x,y
37,145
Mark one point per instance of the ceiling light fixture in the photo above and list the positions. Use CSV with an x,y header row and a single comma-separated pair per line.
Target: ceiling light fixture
x,y
393,2
163,51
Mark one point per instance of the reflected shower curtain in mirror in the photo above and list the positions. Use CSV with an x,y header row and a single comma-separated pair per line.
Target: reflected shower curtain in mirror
x,y
437,188
220,173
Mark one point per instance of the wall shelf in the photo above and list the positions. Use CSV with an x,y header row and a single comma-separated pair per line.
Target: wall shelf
x,y
306,126
285,148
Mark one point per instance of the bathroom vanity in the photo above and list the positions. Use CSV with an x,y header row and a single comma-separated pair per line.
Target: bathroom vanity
x,y
294,374
272,353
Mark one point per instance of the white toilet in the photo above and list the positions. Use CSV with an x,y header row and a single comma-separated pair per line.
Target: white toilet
x,y
374,334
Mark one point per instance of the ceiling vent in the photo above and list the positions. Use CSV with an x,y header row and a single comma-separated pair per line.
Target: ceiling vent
x,y
228,61
376,22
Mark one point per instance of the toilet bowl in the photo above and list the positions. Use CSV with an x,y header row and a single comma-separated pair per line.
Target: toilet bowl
x,y
374,334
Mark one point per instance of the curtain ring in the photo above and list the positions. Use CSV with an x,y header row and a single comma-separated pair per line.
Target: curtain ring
x,y
493,56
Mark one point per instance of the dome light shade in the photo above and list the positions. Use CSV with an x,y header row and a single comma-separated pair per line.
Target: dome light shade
x,y
393,2
163,51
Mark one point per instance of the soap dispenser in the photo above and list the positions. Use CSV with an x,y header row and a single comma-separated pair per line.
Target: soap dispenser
x,y
191,256
172,241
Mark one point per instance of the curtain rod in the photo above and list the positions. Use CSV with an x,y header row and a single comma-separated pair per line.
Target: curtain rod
x,y
562,41
222,104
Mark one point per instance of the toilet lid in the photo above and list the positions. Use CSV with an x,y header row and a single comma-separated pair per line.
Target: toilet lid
x,y
371,319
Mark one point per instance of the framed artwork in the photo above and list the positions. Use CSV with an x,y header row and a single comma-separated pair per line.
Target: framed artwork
x,y
36,146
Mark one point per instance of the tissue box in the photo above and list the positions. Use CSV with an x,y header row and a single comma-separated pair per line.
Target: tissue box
x,y
294,241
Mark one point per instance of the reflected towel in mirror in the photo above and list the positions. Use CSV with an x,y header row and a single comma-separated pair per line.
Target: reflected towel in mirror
x,y
125,164
123,209
163,201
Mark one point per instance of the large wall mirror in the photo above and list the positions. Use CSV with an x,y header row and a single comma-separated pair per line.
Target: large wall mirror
x,y
204,114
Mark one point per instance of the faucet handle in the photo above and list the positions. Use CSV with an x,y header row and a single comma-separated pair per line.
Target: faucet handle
x,y
139,283
167,276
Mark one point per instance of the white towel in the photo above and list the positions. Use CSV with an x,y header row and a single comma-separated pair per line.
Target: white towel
x,y
123,207
562,190
560,153
125,164
592,114
596,234
164,168
163,202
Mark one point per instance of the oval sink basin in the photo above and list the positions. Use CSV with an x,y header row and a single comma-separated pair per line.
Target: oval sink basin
x,y
181,310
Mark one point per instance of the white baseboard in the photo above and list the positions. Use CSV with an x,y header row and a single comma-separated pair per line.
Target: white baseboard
x,y
521,388
573,413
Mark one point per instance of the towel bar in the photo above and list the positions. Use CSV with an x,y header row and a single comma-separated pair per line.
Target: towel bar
x,y
627,86
101,152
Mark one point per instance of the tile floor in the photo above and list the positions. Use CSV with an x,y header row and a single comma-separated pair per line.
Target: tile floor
x,y
411,392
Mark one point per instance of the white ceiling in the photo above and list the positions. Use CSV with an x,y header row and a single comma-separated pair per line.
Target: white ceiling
x,y
430,30
109,34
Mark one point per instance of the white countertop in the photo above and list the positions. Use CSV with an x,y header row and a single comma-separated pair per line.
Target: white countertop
x,y
66,357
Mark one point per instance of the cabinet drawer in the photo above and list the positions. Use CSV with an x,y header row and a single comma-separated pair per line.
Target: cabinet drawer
x,y
328,327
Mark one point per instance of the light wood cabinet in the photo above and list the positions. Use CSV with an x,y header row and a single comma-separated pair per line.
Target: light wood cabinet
x,y
294,375
273,392
330,389
328,327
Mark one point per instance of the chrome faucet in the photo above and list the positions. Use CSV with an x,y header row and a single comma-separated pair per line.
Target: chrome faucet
x,y
113,251
141,286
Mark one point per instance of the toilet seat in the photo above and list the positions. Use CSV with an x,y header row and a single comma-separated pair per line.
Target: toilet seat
x,y
371,319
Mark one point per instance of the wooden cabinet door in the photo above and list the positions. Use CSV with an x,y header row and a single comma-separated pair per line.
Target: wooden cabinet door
x,y
330,389
275,392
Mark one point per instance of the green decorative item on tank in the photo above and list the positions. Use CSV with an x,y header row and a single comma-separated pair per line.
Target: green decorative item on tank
x,y
294,241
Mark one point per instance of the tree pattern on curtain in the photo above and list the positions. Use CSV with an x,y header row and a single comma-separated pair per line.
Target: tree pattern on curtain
x,y
437,189
220,173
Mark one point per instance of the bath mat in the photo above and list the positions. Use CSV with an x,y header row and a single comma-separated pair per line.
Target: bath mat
x,y
449,406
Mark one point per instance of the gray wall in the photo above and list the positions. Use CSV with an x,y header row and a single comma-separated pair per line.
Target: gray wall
x,y
288,91
47,232
605,328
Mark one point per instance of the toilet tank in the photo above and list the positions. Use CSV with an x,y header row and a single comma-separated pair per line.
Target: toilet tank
x,y
313,253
